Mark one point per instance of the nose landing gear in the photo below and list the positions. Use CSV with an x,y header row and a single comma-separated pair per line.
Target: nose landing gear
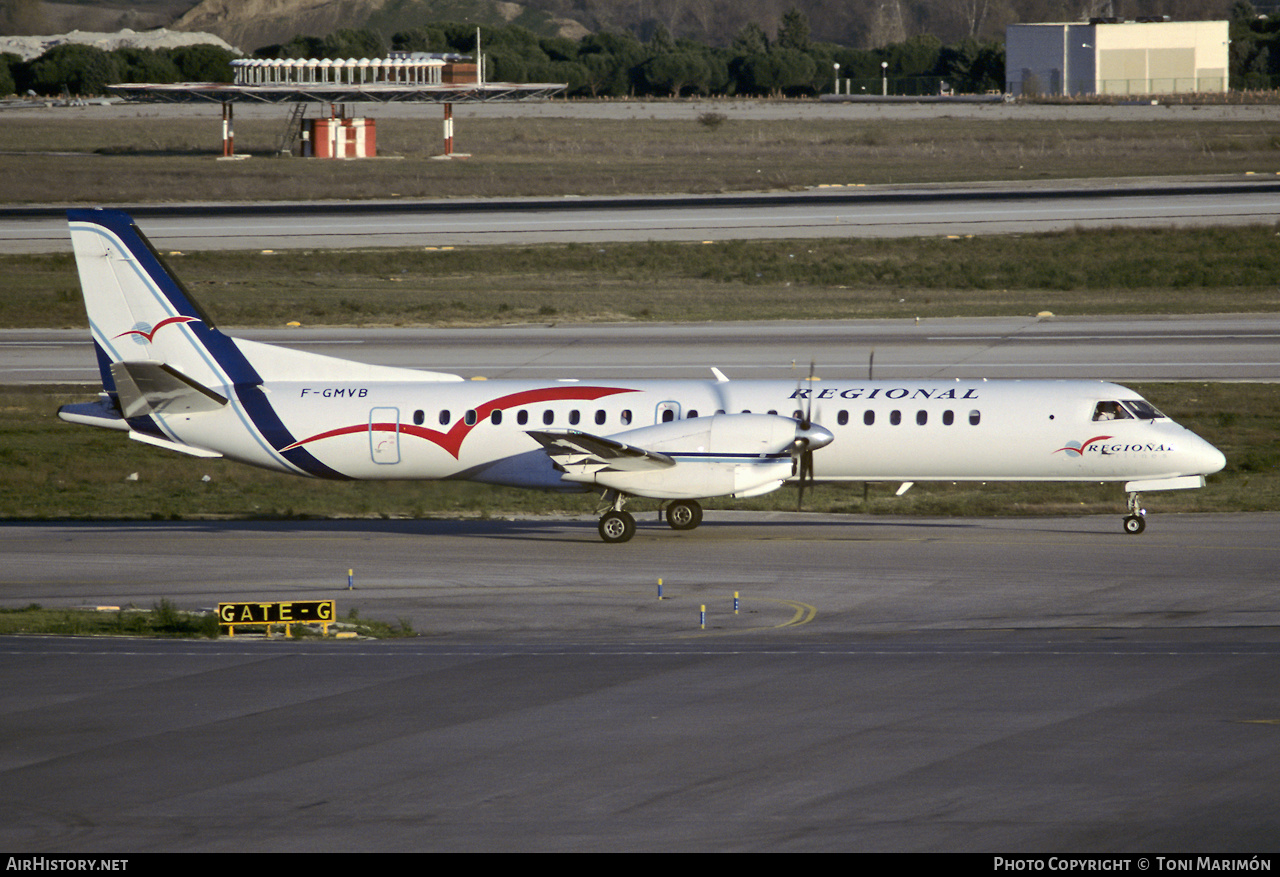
x,y
1136,521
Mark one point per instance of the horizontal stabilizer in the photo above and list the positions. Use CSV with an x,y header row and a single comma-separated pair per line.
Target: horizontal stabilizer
x,y
155,388
101,413
173,446
579,450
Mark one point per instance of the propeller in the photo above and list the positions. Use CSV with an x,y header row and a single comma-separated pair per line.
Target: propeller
x,y
808,439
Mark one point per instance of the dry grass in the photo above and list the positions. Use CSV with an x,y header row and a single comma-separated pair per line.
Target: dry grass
x,y
1116,271
149,159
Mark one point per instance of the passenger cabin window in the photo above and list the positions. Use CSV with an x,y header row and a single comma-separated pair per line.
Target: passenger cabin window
x,y
522,417
574,417
548,417
922,417
693,412
948,418
974,417
869,418
626,416
470,417
418,417
895,417
1111,411
668,415
445,417
600,417
496,417
843,418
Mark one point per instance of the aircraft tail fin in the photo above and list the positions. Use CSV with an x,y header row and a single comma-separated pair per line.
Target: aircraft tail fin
x,y
139,312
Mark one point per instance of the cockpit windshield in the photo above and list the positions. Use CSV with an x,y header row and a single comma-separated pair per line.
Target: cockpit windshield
x,y
1126,410
1111,410
1142,409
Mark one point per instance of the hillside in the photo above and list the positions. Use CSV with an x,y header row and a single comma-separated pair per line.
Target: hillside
x,y
254,23
250,24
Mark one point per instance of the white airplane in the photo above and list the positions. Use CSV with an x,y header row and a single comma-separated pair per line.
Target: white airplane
x,y
171,379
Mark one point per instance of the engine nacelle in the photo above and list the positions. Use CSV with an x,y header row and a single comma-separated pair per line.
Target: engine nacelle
x,y
738,454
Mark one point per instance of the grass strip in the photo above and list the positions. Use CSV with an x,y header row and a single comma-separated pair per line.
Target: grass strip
x,y
165,620
113,156
1079,272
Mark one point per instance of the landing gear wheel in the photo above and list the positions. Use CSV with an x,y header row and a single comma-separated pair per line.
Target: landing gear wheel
x,y
684,514
1134,524
617,527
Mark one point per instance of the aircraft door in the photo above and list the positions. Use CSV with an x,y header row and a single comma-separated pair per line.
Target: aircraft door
x,y
667,412
384,435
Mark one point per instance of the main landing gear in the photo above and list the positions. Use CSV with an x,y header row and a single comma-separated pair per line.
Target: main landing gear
x,y
1136,521
618,526
684,514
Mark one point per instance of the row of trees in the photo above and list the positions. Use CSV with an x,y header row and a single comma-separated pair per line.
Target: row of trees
x,y
1254,53
82,70
612,64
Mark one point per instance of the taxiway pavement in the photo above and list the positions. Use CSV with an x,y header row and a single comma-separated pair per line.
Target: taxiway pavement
x,y
1010,685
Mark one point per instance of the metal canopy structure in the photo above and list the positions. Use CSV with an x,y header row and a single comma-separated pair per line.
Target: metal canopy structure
x,y
400,77
217,92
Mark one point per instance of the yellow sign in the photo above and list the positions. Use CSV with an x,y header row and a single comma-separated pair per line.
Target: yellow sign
x,y
280,612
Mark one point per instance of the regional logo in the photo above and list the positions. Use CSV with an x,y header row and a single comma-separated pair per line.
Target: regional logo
x,y
144,333
1077,449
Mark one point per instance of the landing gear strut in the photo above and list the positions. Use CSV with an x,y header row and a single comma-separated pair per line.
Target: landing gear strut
x,y
1136,521
684,514
616,525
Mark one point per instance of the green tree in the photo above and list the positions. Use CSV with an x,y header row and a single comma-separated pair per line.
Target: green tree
x,y
673,72
204,63
146,65
7,84
77,68
749,40
793,31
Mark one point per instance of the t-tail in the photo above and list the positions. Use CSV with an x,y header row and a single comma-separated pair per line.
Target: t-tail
x,y
158,351
169,377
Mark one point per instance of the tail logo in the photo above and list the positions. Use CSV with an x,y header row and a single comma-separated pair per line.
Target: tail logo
x,y
145,333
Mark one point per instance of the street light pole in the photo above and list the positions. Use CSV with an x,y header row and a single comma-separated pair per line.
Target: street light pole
x,y
884,78
836,87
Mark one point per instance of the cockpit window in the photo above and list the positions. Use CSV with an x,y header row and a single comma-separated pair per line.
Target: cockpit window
x,y
1111,411
1142,409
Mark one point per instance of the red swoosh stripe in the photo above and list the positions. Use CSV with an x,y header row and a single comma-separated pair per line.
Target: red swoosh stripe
x,y
1085,444
150,336
452,440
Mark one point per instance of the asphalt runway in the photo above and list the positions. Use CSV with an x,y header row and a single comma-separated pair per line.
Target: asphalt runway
x,y
1000,686
872,211
1234,347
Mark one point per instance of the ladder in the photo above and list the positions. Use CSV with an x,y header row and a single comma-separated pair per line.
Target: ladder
x,y
288,138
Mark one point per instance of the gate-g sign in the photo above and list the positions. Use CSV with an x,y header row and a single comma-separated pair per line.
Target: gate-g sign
x,y
284,612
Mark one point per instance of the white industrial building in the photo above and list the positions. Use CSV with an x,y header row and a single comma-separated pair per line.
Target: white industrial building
x,y
1115,57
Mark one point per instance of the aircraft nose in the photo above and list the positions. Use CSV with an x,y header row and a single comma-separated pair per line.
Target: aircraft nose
x,y
1210,458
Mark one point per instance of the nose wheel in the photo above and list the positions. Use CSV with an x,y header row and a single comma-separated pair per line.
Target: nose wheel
x,y
1136,521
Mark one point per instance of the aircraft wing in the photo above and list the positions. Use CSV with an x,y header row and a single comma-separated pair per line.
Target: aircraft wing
x,y
581,452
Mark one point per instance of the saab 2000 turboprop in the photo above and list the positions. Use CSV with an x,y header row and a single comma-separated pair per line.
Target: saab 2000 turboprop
x,y
171,379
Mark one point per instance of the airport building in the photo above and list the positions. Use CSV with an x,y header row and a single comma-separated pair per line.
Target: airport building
x,y
1108,56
